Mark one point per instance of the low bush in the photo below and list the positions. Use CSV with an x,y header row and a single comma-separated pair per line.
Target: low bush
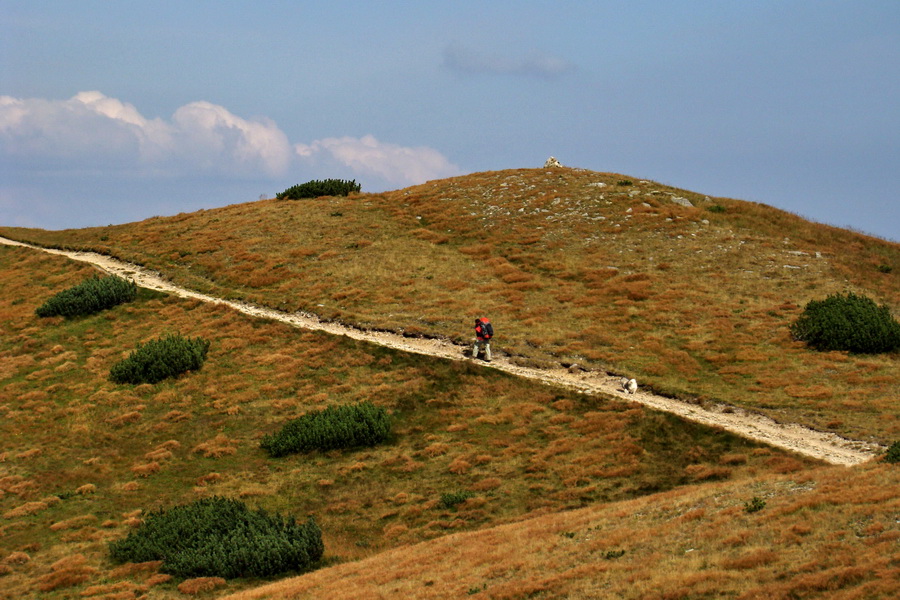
x,y
317,188
450,500
159,359
336,427
847,322
893,453
88,297
755,504
220,537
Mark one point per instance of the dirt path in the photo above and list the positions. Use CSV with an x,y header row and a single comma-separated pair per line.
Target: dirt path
x,y
823,446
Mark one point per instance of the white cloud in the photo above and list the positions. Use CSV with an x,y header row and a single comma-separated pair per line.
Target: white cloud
x,y
396,165
110,107
220,138
93,131
64,134
465,60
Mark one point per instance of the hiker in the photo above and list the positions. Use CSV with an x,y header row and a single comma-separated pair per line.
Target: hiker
x,y
484,331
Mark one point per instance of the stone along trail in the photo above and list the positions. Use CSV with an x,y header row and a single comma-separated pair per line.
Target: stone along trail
x,y
827,447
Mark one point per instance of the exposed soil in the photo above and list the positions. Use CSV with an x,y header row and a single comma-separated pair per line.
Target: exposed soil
x,y
828,447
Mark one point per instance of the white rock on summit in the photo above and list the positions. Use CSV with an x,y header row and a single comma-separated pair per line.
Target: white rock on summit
x,y
552,162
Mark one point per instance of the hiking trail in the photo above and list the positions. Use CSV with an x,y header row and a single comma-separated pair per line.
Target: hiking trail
x,y
823,446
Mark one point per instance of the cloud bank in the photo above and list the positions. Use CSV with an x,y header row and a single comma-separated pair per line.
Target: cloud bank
x,y
91,132
397,165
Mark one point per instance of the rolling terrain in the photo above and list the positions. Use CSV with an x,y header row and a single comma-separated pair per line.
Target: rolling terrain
x,y
814,444
573,492
574,267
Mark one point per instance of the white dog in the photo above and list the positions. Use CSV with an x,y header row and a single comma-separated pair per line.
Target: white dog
x,y
629,385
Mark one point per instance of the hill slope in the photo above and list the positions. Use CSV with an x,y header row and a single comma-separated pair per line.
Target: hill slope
x,y
84,458
560,482
573,267
830,533
792,437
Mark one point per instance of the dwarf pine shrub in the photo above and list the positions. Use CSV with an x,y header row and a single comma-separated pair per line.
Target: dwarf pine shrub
x,y
893,453
317,188
220,537
159,359
88,297
336,427
450,500
847,322
755,504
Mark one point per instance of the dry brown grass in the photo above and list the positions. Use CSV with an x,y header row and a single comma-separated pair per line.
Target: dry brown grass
x,y
523,450
817,537
692,302
200,585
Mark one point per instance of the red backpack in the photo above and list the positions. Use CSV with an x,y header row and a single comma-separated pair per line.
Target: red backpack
x,y
487,330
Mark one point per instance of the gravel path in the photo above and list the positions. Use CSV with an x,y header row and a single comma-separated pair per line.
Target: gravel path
x,y
802,440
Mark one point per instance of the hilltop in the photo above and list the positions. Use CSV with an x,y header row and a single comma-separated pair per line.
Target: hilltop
x,y
691,295
558,482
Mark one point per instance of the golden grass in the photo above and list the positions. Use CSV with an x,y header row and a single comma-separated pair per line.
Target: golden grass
x,y
524,450
690,542
692,302
200,585
89,457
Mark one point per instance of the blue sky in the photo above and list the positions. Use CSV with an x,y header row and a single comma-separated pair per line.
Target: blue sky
x,y
117,111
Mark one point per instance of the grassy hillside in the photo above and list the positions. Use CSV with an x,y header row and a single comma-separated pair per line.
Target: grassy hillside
x,y
572,266
826,533
83,458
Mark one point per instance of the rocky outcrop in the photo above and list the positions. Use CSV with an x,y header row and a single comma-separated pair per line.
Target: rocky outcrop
x,y
552,162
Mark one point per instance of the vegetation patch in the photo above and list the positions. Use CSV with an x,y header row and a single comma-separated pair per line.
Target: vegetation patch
x,y
893,453
221,537
755,504
88,297
160,359
451,500
848,322
336,427
317,188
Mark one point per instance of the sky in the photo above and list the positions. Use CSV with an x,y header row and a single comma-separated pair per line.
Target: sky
x,y
112,112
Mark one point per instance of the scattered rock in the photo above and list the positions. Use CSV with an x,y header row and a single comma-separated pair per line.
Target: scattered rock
x,y
682,201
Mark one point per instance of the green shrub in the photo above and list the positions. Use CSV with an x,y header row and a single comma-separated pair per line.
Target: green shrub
x,y
158,359
755,504
716,208
893,453
884,268
219,537
452,499
851,323
317,188
88,297
334,428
